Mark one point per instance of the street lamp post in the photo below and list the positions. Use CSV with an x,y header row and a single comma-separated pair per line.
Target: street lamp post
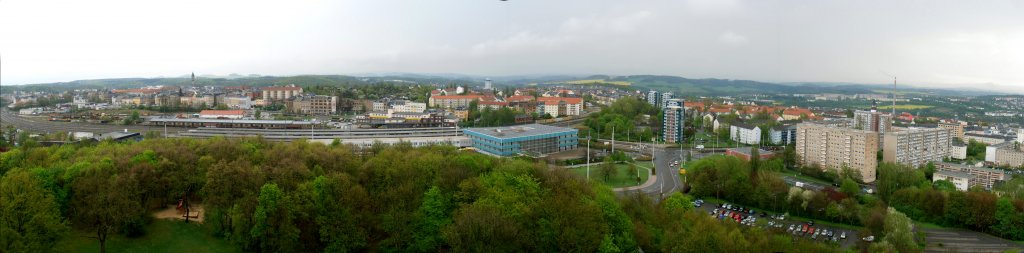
x,y
588,154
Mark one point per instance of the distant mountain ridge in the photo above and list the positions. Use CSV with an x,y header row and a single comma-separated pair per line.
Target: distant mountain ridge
x,y
681,85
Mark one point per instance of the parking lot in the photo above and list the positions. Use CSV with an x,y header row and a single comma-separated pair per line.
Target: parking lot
x,y
780,223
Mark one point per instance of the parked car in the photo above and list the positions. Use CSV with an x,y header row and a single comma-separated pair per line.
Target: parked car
x,y
843,235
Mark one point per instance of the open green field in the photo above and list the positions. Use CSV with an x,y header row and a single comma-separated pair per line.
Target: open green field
x,y
805,178
906,107
709,141
899,92
591,81
161,236
622,177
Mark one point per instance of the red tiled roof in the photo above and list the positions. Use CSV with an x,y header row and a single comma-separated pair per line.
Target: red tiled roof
x,y
519,98
222,112
481,97
556,99
493,103
693,104
797,112
720,110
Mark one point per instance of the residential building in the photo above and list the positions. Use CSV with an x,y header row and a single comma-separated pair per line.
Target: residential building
x,y
462,113
453,101
665,96
795,113
916,146
408,106
783,135
312,104
280,93
201,101
958,151
872,121
978,176
674,123
745,133
955,128
493,105
532,140
987,139
959,179
168,99
652,98
380,105
1020,135
1008,154
834,148
221,114
559,106
238,102
745,153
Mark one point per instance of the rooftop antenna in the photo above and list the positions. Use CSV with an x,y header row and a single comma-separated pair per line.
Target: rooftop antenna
x,y
893,118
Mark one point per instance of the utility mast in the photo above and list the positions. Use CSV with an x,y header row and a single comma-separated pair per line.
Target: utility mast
x,y
893,117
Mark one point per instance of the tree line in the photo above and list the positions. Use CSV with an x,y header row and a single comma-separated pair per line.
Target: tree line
x,y
903,188
264,196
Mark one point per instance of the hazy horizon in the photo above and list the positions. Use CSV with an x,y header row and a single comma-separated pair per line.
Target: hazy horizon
x,y
953,45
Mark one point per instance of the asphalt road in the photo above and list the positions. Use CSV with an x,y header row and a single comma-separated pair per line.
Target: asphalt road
x,y
959,240
667,176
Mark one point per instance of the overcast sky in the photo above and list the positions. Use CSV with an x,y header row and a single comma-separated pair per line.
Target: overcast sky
x,y
934,43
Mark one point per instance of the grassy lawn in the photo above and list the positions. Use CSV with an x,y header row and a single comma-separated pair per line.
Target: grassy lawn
x,y
709,141
622,177
647,164
906,107
161,236
804,177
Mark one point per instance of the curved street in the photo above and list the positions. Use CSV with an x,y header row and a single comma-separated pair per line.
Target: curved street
x,y
667,179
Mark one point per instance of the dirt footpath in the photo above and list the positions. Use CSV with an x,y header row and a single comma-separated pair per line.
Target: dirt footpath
x,y
197,212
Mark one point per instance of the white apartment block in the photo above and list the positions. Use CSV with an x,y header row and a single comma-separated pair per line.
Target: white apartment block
x,y
977,176
917,146
407,106
959,179
276,93
744,133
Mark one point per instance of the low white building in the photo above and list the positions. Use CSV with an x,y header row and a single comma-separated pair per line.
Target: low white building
x,y
958,152
407,106
221,114
959,179
746,134
987,139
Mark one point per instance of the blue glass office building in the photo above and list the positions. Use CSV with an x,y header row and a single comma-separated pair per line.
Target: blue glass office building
x,y
532,139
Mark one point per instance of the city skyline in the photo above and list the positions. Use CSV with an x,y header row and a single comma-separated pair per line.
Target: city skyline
x,y
941,45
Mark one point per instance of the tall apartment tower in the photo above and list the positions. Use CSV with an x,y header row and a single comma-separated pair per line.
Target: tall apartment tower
x,y
665,96
917,146
674,121
652,98
834,148
487,84
956,129
873,120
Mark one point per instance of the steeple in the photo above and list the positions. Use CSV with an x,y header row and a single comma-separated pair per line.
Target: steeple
x,y
874,105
